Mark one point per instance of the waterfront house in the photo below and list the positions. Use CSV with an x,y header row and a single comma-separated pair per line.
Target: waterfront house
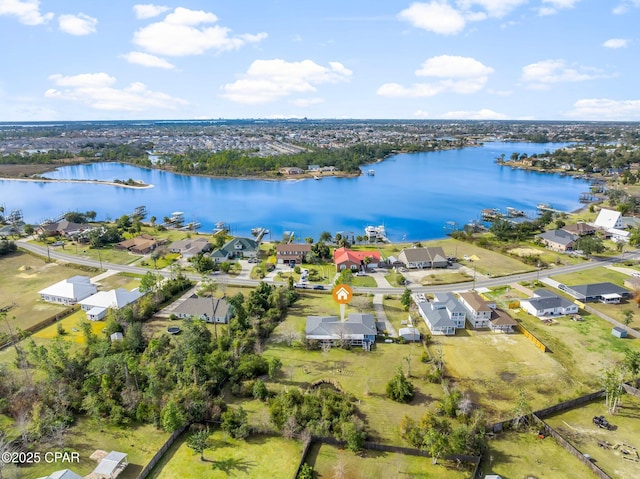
x,y
418,258
97,305
608,219
69,291
545,303
558,240
236,248
292,253
580,229
62,228
479,309
142,244
359,329
603,292
345,258
291,170
211,310
190,247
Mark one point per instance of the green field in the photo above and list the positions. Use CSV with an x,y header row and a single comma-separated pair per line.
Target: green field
x,y
365,375
594,275
492,369
329,462
85,437
23,275
257,457
520,455
577,427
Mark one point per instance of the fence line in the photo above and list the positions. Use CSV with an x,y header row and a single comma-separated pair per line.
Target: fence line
x,y
41,325
617,324
629,389
158,455
529,335
574,451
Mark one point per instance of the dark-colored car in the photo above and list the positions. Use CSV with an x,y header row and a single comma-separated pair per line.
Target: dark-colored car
x,y
318,286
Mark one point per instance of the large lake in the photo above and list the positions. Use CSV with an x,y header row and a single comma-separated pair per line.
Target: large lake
x,y
412,195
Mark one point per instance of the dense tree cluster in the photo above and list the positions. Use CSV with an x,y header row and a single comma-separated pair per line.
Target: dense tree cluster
x,y
7,247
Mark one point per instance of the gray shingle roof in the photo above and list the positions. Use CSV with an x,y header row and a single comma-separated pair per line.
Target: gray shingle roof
x,y
331,326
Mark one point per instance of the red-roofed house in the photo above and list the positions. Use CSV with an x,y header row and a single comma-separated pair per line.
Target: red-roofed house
x,y
344,258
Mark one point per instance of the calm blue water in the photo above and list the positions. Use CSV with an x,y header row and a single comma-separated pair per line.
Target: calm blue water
x,y
413,195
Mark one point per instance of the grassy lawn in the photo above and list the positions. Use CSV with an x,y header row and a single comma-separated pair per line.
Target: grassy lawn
x,y
594,275
545,255
23,275
577,427
395,279
116,281
257,457
584,348
365,375
395,311
493,368
444,277
515,455
106,254
326,459
138,441
364,282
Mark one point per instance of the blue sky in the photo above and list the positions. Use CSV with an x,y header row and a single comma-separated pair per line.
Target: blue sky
x,y
436,59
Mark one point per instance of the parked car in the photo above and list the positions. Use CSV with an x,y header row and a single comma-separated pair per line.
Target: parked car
x,y
360,273
318,286
635,275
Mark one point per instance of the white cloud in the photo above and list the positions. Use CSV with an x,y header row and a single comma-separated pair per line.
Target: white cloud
x,y
96,91
304,102
185,32
27,11
624,6
483,114
551,7
79,24
455,74
148,60
547,72
605,109
493,8
149,10
616,43
437,16
421,114
268,80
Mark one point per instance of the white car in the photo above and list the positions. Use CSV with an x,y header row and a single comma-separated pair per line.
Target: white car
x,y
635,275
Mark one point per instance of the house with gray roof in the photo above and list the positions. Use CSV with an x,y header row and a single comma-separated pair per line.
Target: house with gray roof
x,y
359,329
190,247
419,258
603,292
63,474
211,310
545,303
457,312
558,240
436,317
69,291
236,248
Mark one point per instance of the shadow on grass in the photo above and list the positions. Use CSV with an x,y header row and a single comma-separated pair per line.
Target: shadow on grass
x,y
229,466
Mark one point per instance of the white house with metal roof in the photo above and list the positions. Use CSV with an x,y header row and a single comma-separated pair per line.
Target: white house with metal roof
x,y
96,306
69,291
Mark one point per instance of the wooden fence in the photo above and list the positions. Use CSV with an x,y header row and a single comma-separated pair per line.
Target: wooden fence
x,y
529,335
158,455
42,324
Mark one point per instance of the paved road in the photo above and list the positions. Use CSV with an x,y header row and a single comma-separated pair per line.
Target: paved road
x,y
483,283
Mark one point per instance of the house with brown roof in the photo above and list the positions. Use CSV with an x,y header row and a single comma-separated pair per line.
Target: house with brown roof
x,y
501,322
345,258
419,258
292,253
142,244
558,240
62,228
190,247
581,229
479,309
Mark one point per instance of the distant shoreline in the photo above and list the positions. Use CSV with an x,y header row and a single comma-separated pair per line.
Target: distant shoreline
x,y
141,186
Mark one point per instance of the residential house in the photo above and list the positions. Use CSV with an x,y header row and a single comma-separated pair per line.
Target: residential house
x,y
97,305
63,474
409,334
501,322
344,258
558,240
479,309
69,291
359,329
190,247
433,257
603,292
236,248
456,311
211,310
608,219
292,253
545,303
142,244
291,170
436,317
580,229
62,228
